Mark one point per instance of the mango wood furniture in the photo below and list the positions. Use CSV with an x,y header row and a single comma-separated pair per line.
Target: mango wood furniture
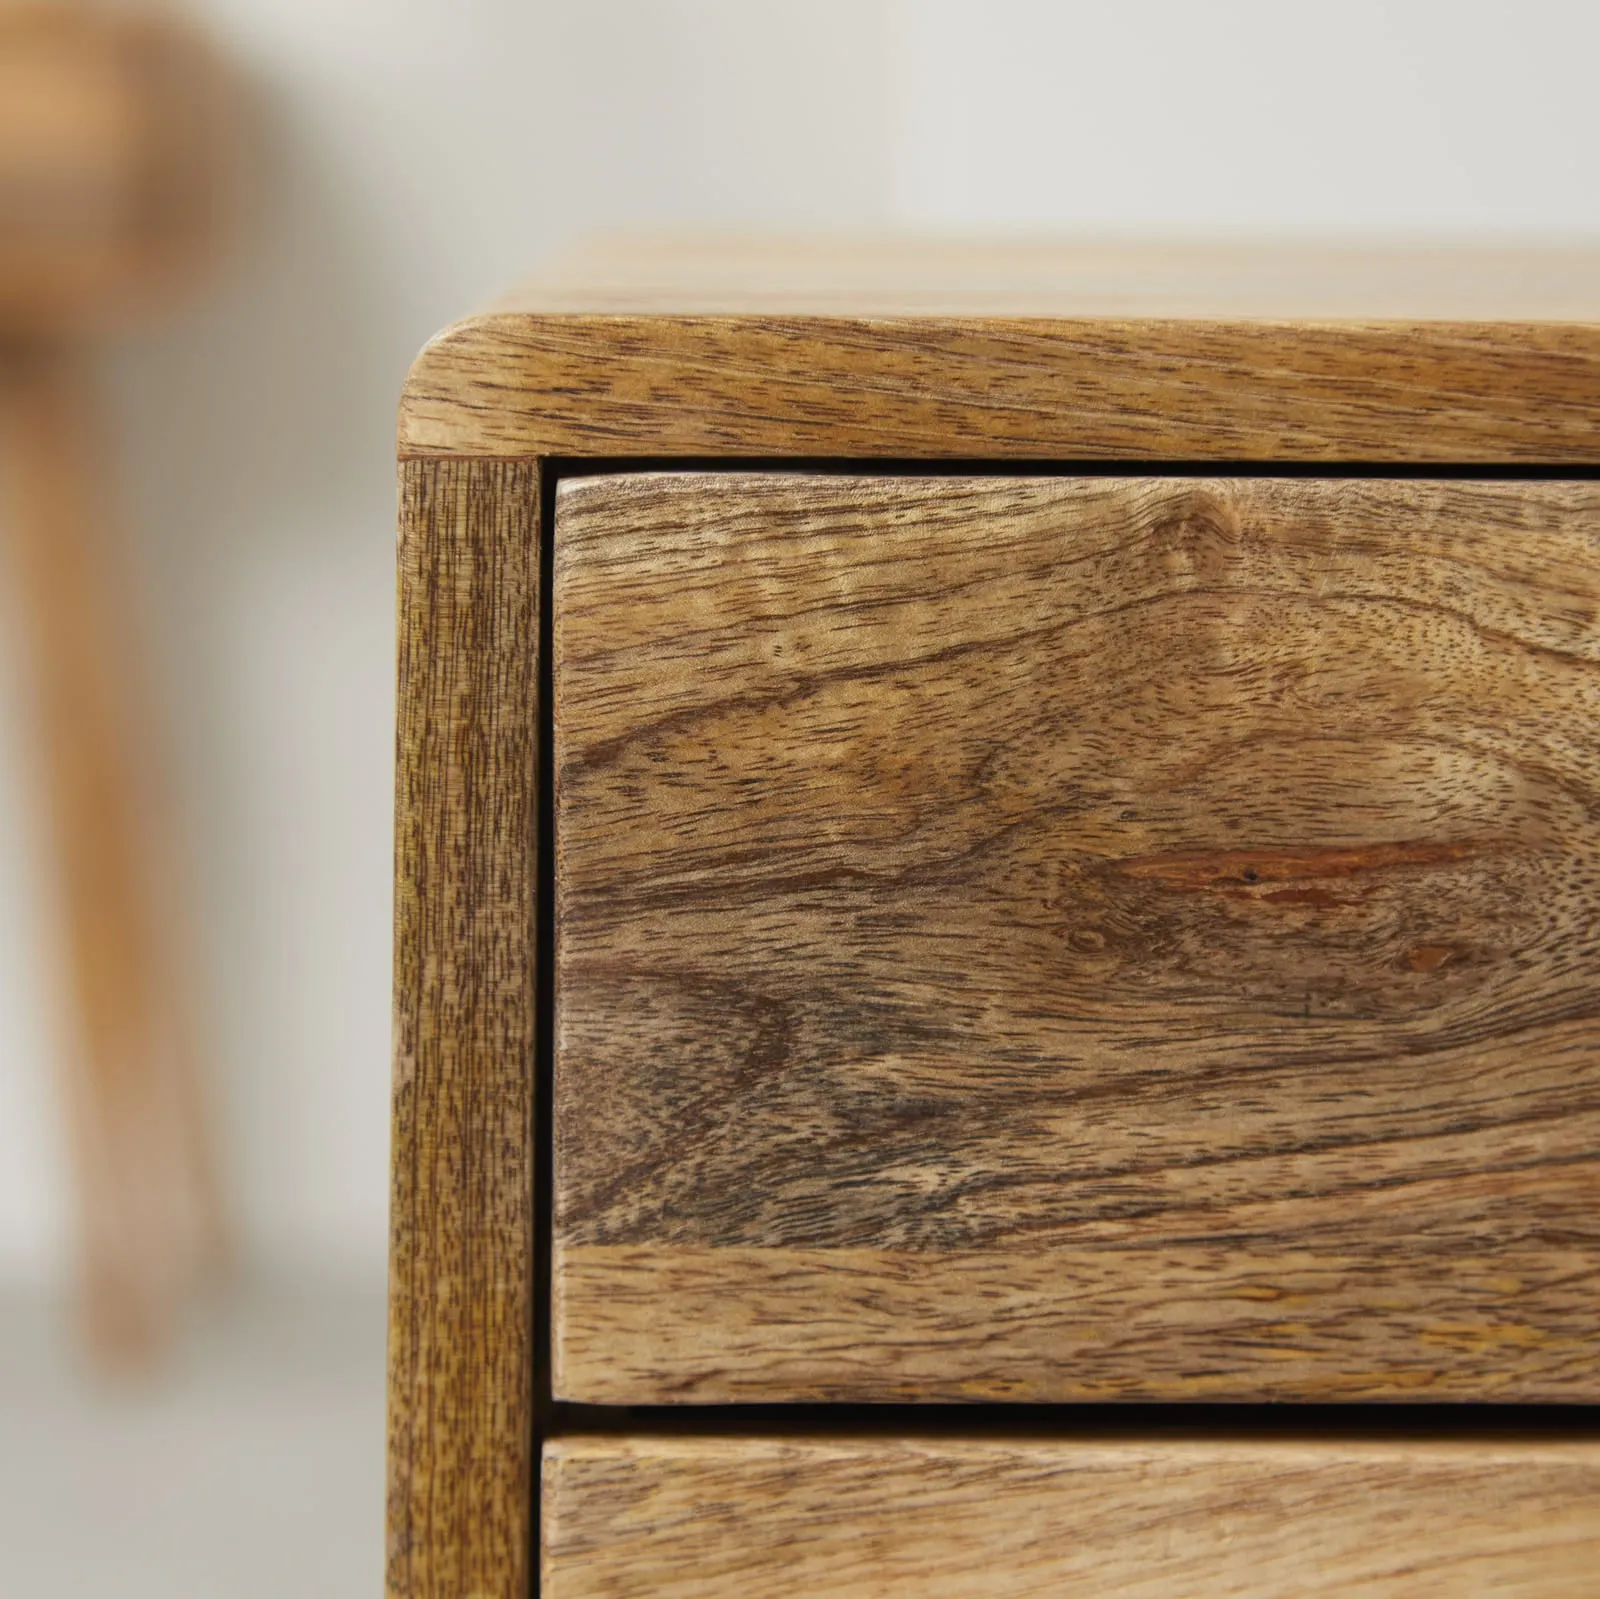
x,y
1001,828
113,134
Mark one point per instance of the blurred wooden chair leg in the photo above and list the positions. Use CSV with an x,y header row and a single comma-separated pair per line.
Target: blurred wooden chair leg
x,y
150,1212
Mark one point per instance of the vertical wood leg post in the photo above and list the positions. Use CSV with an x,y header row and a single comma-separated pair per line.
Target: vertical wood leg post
x,y
149,1207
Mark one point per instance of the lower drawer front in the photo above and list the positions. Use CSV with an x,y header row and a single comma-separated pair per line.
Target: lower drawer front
x,y
1076,938
717,1517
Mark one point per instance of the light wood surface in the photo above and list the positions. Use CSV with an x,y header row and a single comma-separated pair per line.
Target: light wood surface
x,y
922,349
461,1269
711,1517
1251,279
1076,938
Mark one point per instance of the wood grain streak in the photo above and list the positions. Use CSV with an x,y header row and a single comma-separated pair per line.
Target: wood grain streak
x,y
1152,388
460,1333
669,1518
1060,938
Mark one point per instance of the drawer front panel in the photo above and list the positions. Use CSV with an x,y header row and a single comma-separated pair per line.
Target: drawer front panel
x,y
714,1517
1076,937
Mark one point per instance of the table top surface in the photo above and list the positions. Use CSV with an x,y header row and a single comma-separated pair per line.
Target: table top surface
x,y
746,274
838,348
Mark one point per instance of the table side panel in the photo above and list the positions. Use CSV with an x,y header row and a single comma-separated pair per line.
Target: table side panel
x,y
461,1441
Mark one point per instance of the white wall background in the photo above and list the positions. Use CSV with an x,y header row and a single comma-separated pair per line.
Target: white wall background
x,y
1447,117
418,154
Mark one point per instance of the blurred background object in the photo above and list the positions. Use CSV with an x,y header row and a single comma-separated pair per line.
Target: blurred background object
x,y
411,161
111,141
111,135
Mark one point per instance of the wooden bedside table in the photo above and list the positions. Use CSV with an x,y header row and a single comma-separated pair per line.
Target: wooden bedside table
x,y
1003,828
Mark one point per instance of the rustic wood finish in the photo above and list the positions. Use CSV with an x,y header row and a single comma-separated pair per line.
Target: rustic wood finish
x,y
1401,933
460,1334
929,350
723,1519
1069,938
928,387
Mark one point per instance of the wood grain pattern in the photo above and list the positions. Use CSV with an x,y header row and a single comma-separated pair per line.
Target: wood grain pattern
x,y
1017,1520
924,350
460,1331
1076,937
